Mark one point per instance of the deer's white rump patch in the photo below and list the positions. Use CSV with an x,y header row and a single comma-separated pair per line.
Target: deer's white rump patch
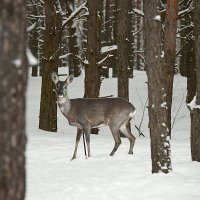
x,y
132,114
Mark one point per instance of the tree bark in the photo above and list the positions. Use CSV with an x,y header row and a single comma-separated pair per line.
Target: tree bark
x,y
93,70
48,107
123,47
138,21
195,121
160,143
170,53
72,43
13,80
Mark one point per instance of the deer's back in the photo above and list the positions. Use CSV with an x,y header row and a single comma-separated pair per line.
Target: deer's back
x,y
98,111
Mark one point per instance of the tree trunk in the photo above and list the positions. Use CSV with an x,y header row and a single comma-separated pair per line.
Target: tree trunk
x,y
13,80
93,71
170,53
195,122
122,35
160,144
48,107
72,43
123,46
187,58
138,5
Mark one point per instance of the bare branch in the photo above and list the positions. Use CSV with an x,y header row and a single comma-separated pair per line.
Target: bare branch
x,y
138,31
184,42
138,12
104,59
74,14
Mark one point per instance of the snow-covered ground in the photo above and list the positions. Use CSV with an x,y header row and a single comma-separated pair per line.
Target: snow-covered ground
x,y
52,176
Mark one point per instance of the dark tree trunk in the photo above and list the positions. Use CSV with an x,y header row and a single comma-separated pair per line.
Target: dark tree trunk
x,y
160,144
123,46
48,107
187,58
138,5
33,35
130,30
122,35
40,32
92,70
170,53
72,44
13,80
195,122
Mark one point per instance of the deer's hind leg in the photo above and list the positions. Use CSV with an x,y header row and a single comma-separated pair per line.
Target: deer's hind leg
x,y
116,136
126,131
78,136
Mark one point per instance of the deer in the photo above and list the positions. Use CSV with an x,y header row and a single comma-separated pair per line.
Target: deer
x,y
88,113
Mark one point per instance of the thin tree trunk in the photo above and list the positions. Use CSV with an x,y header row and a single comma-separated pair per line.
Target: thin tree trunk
x,y
48,107
170,53
195,122
13,80
138,5
160,144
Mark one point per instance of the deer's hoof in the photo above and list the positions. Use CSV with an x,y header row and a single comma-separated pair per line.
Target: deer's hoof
x,y
73,158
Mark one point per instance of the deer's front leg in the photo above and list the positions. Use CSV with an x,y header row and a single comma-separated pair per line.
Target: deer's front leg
x,y
78,136
87,131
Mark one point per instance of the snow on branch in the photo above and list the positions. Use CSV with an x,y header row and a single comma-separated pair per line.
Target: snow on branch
x,y
108,48
185,11
31,27
192,105
58,7
84,62
104,59
64,56
139,12
32,60
37,16
74,14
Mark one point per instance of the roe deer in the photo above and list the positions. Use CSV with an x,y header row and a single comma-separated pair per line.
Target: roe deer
x,y
87,113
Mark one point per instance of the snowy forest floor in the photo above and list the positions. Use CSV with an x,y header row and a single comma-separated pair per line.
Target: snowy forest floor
x,y
52,176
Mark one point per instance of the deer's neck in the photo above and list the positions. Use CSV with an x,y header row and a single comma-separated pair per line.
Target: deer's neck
x,y
64,104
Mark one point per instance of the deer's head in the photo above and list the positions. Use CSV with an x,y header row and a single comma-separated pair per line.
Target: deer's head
x,y
61,86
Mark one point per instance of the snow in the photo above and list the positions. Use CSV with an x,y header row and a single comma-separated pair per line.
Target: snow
x,y
64,56
52,176
17,62
139,12
192,105
164,104
106,49
74,13
32,60
31,27
157,17
104,59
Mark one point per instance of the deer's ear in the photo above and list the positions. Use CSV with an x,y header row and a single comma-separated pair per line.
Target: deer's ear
x,y
54,77
70,78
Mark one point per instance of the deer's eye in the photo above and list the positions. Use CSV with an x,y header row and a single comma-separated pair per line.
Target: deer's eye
x,y
65,87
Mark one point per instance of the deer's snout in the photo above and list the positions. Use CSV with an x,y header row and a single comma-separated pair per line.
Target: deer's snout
x,y
60,94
